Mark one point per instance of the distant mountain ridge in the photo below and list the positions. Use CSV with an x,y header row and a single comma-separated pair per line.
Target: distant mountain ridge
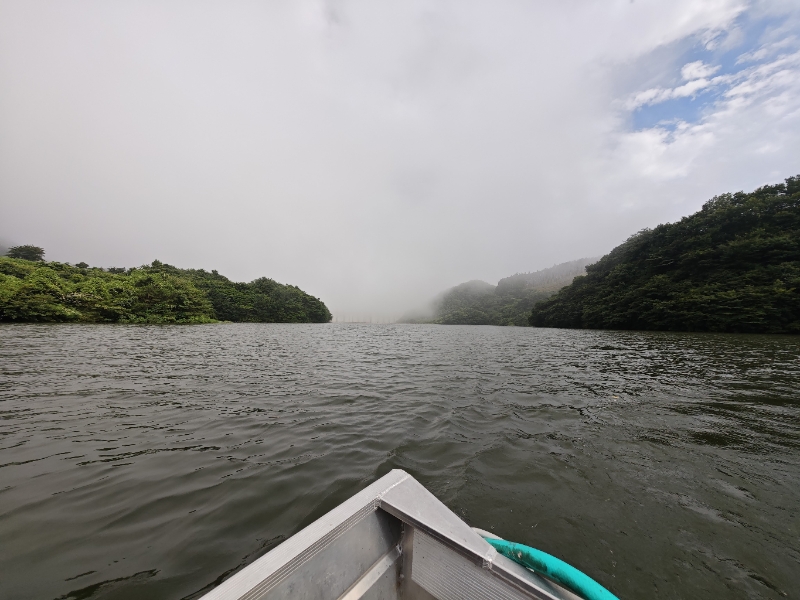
x,y
510,302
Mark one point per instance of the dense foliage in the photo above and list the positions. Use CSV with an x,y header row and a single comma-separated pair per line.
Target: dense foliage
x,y
26,252
507,303
260,301
734,266
55,292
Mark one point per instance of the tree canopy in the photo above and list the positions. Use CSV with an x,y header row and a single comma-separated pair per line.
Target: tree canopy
x,y
156,293
26,252
733,266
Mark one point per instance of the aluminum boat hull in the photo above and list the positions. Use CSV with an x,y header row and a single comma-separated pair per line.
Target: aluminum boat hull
x,y
392,540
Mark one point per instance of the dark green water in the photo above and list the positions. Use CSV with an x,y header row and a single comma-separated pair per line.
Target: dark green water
x,y
153,462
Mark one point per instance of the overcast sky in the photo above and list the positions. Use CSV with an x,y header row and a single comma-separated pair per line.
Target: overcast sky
x,y
375,153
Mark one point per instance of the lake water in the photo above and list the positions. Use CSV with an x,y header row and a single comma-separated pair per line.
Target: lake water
x,y
155,461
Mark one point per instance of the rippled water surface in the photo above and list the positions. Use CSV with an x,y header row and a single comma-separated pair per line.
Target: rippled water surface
x,y
153,462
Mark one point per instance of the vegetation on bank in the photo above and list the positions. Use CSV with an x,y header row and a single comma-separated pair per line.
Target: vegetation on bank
x,y
508,303
38,291
734,266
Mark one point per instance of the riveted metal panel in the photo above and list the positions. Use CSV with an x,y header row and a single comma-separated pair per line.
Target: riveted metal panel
x,y
450,576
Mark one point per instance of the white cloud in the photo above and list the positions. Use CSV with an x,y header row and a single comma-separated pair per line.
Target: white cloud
x,y
658,95
698,70
697,75
753,125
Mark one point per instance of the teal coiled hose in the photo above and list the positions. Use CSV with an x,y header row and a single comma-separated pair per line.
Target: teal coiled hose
x,y
552,568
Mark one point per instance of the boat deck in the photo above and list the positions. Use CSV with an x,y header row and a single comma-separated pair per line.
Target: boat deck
x,y
392,540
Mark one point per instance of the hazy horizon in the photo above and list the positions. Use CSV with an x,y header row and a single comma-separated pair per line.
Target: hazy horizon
x,y
377,154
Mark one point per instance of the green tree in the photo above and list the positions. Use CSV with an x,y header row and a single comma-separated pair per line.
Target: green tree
x,y
41,296
26,252
165,298
156,293
733,266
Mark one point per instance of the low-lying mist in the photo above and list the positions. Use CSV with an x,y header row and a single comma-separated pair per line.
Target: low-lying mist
x,y
510,302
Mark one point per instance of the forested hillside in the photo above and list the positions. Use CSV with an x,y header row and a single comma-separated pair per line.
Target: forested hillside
x,y
734,266
508,303
38,291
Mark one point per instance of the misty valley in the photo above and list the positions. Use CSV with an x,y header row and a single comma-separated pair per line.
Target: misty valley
x,y
734,266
